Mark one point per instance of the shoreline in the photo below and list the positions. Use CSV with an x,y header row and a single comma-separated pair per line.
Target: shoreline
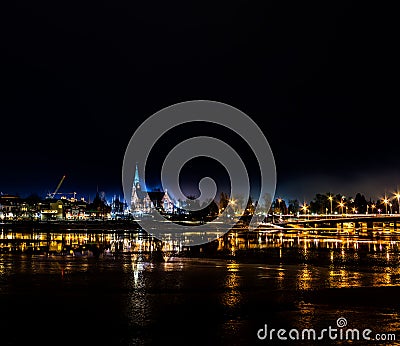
x,y
73,224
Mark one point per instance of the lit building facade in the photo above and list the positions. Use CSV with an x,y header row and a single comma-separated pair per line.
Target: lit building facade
x,y
143,202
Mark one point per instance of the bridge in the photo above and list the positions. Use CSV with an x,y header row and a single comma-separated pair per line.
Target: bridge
x,y
342,222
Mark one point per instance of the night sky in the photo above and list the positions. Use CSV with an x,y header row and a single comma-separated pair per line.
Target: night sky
x,y
318,78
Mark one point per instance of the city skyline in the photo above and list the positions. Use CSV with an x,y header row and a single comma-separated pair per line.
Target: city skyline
x,y
110,195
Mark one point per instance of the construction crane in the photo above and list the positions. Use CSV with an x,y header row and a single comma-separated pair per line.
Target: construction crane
x,y
52,195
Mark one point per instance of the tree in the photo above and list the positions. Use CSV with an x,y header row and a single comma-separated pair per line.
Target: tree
x,y
279,206
239,203
99,207
267,198
360,203
223,201
318,204
212,209
192,203
294,206
250,207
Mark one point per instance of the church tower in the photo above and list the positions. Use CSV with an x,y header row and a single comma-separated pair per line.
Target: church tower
x,y
140,202
136,181
135,200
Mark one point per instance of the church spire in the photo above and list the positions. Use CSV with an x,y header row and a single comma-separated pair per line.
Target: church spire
x,y
136,180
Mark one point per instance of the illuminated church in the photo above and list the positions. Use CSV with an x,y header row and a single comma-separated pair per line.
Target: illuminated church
x,y
143,202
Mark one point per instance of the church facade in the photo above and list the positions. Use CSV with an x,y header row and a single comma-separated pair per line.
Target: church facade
x,y
144,202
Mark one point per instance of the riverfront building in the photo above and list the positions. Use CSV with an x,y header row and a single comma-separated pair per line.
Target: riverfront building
x,y
143,201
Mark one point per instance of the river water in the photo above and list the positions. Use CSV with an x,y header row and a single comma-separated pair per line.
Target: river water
x,y
124,295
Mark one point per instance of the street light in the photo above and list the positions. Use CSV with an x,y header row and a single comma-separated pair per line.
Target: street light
x,y
397,195
279,205
304,207
330,199
386,201
341,205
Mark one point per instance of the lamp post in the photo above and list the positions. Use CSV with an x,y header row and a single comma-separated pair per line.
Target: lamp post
x,y
279,205
330,200
304,207
397,195
386,201
341,205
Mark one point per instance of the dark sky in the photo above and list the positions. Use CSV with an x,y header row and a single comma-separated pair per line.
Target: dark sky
x,y
318,78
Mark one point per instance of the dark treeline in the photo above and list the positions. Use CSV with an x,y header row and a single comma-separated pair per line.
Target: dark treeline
x,y
329,203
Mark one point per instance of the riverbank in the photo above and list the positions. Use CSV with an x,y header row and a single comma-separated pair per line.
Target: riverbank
x,y
71,224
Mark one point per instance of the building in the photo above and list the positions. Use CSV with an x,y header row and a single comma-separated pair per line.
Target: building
x,y
98,209
10,206
119,208
140,201
144,202
167,204
54,210
74,209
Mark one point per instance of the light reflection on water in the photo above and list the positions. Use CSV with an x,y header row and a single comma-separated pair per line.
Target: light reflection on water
x,y
231,297
306,282
305,278
137,242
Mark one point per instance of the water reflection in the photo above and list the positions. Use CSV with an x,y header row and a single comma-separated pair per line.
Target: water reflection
x,y
139,301
275,247
306,317
311,248
231,297
280,279
340,277
304,278
138,307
